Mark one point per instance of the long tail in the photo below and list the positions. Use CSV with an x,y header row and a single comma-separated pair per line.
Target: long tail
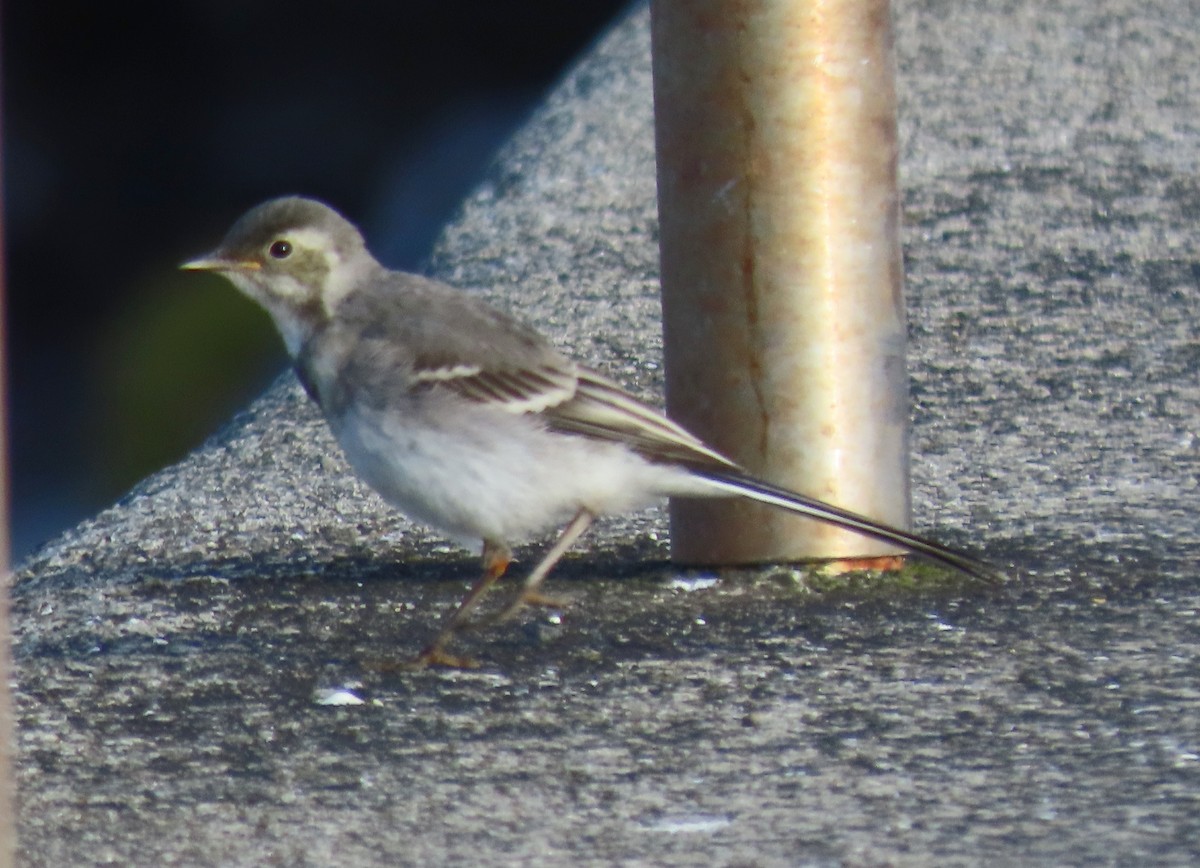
x,y
747,486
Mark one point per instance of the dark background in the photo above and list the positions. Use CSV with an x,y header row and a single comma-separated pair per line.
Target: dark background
x,y
134,134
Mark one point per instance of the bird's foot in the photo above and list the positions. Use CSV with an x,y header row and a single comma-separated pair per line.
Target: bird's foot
x,y
531,599
435,655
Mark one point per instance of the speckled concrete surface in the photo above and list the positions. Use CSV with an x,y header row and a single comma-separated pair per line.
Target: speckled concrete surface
x,y
173,653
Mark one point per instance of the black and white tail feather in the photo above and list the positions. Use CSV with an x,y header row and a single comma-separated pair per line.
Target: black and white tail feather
x,y
737,483
599,407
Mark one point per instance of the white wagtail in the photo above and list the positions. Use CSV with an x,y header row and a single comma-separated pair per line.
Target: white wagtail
x,y
465,418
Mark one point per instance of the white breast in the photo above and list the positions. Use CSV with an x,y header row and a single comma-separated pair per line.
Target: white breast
x,y
477,473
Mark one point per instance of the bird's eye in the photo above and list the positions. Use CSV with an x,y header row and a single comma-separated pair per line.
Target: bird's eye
x,y
281,249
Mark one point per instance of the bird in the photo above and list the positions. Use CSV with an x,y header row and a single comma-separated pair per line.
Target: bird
x,y
469,420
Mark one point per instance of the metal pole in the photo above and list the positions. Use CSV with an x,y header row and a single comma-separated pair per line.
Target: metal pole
x,y
782,277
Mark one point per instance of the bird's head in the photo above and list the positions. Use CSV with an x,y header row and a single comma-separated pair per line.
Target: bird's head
x,y
296,257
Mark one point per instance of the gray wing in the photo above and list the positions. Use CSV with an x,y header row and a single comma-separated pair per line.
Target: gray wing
x,y
417,335
602,409
429,336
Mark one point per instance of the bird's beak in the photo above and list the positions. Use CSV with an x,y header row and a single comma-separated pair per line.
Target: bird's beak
x,y
212,262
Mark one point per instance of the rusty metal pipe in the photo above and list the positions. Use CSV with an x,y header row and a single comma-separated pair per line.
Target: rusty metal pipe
x,y
783,304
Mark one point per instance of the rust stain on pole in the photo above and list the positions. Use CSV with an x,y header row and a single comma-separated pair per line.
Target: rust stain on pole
x,y
781,265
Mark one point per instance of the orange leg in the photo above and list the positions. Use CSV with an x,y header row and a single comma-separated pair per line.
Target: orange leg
x,y
496,558
529,595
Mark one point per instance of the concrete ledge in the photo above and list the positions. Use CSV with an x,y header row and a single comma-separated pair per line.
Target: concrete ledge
x,y
174,652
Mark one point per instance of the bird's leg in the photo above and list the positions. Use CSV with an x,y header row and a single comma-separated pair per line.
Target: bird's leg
x,y
496,558
529,595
